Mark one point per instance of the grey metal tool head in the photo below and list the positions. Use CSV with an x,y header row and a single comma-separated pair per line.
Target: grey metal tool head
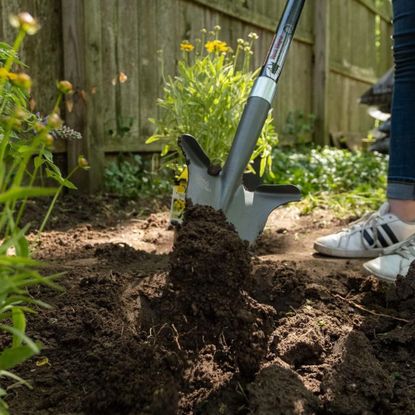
x,y
247,210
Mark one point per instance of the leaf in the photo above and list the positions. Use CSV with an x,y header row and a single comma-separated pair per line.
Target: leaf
x,y
19,323
5,373
38,161
152,139
68,184
165,150
22,246
33,346
26,192
13,356
262,166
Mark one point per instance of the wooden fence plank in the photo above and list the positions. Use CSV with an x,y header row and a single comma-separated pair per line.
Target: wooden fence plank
x,y
321,70
94,60
74,71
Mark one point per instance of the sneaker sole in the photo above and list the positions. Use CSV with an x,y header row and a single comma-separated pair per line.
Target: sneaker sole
x,y
343,253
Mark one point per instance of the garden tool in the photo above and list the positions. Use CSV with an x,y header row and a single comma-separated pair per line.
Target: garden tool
x,y
223,189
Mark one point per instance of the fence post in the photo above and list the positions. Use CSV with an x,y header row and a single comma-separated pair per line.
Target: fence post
x,y
321,70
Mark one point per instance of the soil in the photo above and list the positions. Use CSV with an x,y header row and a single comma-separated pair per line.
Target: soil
x,y
153,321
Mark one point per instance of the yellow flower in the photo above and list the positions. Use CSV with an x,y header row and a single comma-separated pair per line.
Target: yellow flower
x,y
186,46
216,46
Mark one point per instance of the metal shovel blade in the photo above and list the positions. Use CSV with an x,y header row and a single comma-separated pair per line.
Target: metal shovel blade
x,y
248,210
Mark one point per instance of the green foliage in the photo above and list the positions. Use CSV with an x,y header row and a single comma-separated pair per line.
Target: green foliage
x,y
130,179
25,155
298,128
206,100
344,181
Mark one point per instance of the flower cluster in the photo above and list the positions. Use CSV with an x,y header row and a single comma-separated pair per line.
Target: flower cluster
x,y
217,46
186,46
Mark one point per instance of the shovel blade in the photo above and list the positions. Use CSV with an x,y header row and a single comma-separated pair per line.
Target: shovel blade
x,y
248,210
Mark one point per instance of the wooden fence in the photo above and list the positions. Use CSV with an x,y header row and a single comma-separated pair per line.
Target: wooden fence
x,y
340,49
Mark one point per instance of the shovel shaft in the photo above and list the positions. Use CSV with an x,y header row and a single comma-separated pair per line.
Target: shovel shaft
x,y
249,128
259,103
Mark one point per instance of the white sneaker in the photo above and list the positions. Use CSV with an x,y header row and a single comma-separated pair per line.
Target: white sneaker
x,y
395,261
368,237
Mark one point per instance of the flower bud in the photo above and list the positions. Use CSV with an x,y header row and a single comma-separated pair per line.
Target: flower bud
x,y
49,140
22,80
83,163
65,87
39,127
24,21
19,114
54,121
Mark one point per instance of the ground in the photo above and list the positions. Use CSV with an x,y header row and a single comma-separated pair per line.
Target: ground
x,y
153,321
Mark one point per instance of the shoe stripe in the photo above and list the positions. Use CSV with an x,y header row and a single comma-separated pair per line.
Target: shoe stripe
x,y
368,238
381,239
390,233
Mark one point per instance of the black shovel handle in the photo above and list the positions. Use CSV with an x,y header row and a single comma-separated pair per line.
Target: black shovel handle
x,y
277,53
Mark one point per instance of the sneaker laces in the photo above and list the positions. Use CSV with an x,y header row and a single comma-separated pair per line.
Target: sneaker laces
x,y
405,249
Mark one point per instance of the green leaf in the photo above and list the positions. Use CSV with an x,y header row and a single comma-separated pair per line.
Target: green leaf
x,y
5,373
13,356
152,139
68,184
165,150
26,192
19,323
38,161
262,166
33,346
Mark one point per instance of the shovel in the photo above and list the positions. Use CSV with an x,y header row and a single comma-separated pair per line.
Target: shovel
x,y
224,189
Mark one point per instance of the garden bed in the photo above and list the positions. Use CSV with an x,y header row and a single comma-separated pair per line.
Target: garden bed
x,y
209,327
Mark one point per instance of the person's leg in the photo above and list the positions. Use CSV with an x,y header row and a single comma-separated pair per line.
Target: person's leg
x,y
401,176
395,221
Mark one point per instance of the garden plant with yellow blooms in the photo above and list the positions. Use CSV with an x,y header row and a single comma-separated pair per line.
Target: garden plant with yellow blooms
x,y
206,99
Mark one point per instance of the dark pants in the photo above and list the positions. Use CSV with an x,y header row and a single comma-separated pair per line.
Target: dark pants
x,y
401,177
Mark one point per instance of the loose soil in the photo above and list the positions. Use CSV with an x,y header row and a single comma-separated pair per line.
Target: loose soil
x,y
153,321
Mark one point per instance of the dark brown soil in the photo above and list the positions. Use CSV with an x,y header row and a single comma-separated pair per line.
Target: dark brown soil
x,y
212,329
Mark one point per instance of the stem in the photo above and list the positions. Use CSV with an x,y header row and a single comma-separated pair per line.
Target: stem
x,y
32,179
53,203
3,145
57,103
